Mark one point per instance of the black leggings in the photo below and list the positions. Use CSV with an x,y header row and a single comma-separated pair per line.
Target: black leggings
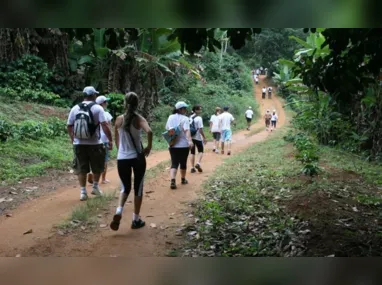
x,y
179,157
124,170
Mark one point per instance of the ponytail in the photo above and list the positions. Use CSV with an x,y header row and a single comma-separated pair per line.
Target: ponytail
x,y
131,106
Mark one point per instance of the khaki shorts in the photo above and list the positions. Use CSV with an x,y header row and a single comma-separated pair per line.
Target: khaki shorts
x,y
89,157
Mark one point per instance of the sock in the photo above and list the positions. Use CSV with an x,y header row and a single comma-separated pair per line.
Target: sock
x,y
183,179
83,190
119,211
135,217
95,184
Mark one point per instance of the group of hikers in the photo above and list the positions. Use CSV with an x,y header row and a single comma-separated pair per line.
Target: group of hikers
x,y
89,127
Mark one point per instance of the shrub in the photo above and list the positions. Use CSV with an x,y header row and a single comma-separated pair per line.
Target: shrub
x,y
116,104
39,96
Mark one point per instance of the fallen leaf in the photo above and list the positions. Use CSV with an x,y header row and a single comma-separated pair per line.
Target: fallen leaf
x,y
192,233
28,232
355,209
149,216
18,255
6,200
103,225
75,221
71,171
83,228
61,233
148,192
99,216
164,227
152,225
8,215
13,193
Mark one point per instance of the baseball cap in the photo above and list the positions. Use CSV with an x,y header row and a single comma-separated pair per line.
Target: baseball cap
x,y
249,107
180,105
90,90
226,108
101,99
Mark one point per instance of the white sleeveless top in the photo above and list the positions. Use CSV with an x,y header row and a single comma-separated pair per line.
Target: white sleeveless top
x,y
126,147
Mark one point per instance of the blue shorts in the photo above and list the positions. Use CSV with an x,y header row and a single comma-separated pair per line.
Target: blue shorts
x,y
226,135
107,158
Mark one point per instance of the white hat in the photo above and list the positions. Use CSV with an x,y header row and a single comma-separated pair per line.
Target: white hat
x,y
249,107
90,90
180,105
101,99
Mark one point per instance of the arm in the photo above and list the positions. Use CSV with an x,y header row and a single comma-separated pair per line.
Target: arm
x,y
107,131
70,132
188,135
145,126
118,123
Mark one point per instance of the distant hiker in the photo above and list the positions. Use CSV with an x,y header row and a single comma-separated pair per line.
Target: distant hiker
x,y
269,92
84,123
257,72
264,90
102,100
261,70
267,118
215,128
248,117
199,139
274,119
131,158
180,148
225,120
257,80
265,71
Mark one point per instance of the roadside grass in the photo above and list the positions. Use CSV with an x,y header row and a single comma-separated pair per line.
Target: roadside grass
x,y
33,157
259,204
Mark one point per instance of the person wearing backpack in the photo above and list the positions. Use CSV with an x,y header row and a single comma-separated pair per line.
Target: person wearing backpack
x,y
198,138
131,158
179,148
83,126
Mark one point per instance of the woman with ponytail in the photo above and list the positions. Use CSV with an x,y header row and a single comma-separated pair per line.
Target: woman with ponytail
x,y
131,157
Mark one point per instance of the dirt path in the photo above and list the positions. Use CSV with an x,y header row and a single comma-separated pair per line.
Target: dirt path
x,y
164,207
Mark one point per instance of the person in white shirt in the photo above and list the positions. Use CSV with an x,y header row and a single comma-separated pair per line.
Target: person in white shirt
x,y
215,129
102,101
248,117
199,139
264,91
274,119
225,120
269,92
180,150
257,80
89,153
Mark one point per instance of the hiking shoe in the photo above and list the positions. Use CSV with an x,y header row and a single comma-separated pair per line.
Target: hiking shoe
x,y
137,224
114,225
217,151
184,181
229,153
96,191
193,170
213,150
83,197
173,185
198,168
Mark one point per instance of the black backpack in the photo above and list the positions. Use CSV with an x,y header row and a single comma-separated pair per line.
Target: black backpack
x,y
84,126
193,130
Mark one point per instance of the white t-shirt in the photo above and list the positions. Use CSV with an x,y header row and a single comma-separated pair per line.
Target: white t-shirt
x,y
264,90
249,114
274,117
225,121
198,125
179,120
108,118
98,116
215,128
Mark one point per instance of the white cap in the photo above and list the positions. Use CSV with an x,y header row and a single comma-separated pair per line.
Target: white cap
x,y
249,107
101,99
180,105
90,90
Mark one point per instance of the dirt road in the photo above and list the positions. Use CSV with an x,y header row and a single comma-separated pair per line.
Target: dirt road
x,y
163,206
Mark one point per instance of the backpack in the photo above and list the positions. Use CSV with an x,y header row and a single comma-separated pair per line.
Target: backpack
x,y
171,135
193,129
84,126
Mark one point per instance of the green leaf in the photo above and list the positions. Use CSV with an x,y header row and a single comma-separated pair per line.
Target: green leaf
x,y
300,41
85,59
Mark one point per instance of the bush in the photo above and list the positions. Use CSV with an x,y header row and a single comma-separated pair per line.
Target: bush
x,y
116,104
5,130
39,96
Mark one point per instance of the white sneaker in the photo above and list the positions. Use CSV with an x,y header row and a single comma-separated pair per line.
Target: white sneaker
x,y
83,197
96,191
216,151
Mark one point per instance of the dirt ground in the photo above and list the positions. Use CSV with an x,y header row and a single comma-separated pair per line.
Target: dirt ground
x,y
166,208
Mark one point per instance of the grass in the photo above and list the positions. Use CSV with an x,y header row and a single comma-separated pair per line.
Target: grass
x,y
258,204
85,213
33,157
